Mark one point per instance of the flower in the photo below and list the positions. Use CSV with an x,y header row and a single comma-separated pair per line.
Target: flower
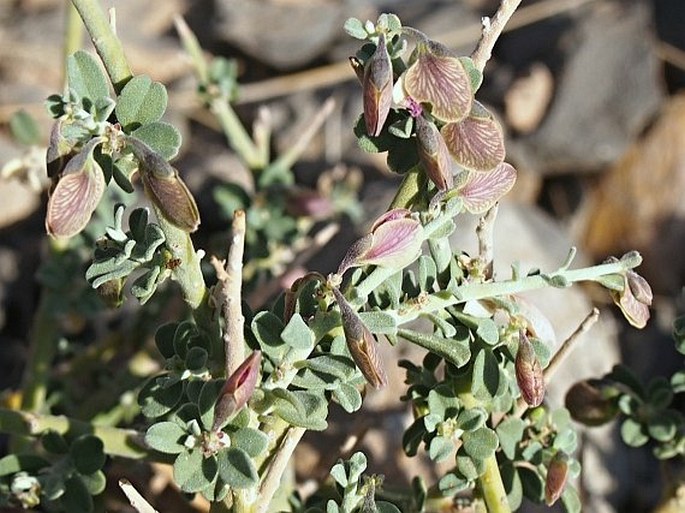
x,y
237,390
440,79
361,344
395,241
377,88
529,375
76,194
635,299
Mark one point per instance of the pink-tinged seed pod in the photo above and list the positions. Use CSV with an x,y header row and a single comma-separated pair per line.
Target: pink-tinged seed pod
x,y
557,473
439,78
529,374
395,241
377,88
361,344
433,153
237,390
634,300
76,194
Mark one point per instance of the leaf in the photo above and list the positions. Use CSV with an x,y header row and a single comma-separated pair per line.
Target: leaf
x,y
250,440
633,434
348,397
207,401
140,102
455,351
451,484
355,28
156,400
237,469
162,137
24,128
95,482
13,463
166,437
297,334
76,498
267,328
85,76
486,376
87,453
471,419
193,472
302,409
510,433
440,448
481,443
379,322
571,500
386,507
512,485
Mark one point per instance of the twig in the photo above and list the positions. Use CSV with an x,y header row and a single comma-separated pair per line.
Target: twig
x,y
228,294
564,350
314,244
671,54
492,29
274,472
486,240
286,160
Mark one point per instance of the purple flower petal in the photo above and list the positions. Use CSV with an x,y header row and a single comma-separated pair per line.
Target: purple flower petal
x,y
396,243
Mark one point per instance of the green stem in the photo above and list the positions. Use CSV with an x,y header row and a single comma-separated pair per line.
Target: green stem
x,y
490,481
126,443
409,189
474,291
235,133
189,273
72,33
106,42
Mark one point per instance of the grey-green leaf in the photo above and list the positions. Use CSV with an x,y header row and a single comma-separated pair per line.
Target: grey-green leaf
x,y
481,443
77,498
166,437
87,453
237,469
141,101
510,432
161,137
85,76
250,440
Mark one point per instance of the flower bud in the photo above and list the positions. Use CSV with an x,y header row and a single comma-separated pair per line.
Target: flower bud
x,y
395,241
557,473
76,194
439,78
165,188
529,374
237,391
592,402
377,88
433,153
361,344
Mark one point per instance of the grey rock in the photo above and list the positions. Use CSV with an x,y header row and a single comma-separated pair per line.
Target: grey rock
x,y
608,90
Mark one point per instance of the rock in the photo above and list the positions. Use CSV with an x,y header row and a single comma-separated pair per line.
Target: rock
x,y
608,90
526,101
284,34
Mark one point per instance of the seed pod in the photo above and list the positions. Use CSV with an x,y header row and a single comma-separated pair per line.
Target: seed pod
x,y
361,344
529,375
237,391
76,194
377,88
592,402
433,153
557,473
634,310
165,188
640,288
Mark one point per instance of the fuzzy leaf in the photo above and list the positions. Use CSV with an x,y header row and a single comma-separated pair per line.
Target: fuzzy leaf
x,y
87,453
166,437
237,469
193,472
162,137
85,76
140,102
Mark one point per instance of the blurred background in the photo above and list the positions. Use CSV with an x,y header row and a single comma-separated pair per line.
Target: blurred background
x,y
589,93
